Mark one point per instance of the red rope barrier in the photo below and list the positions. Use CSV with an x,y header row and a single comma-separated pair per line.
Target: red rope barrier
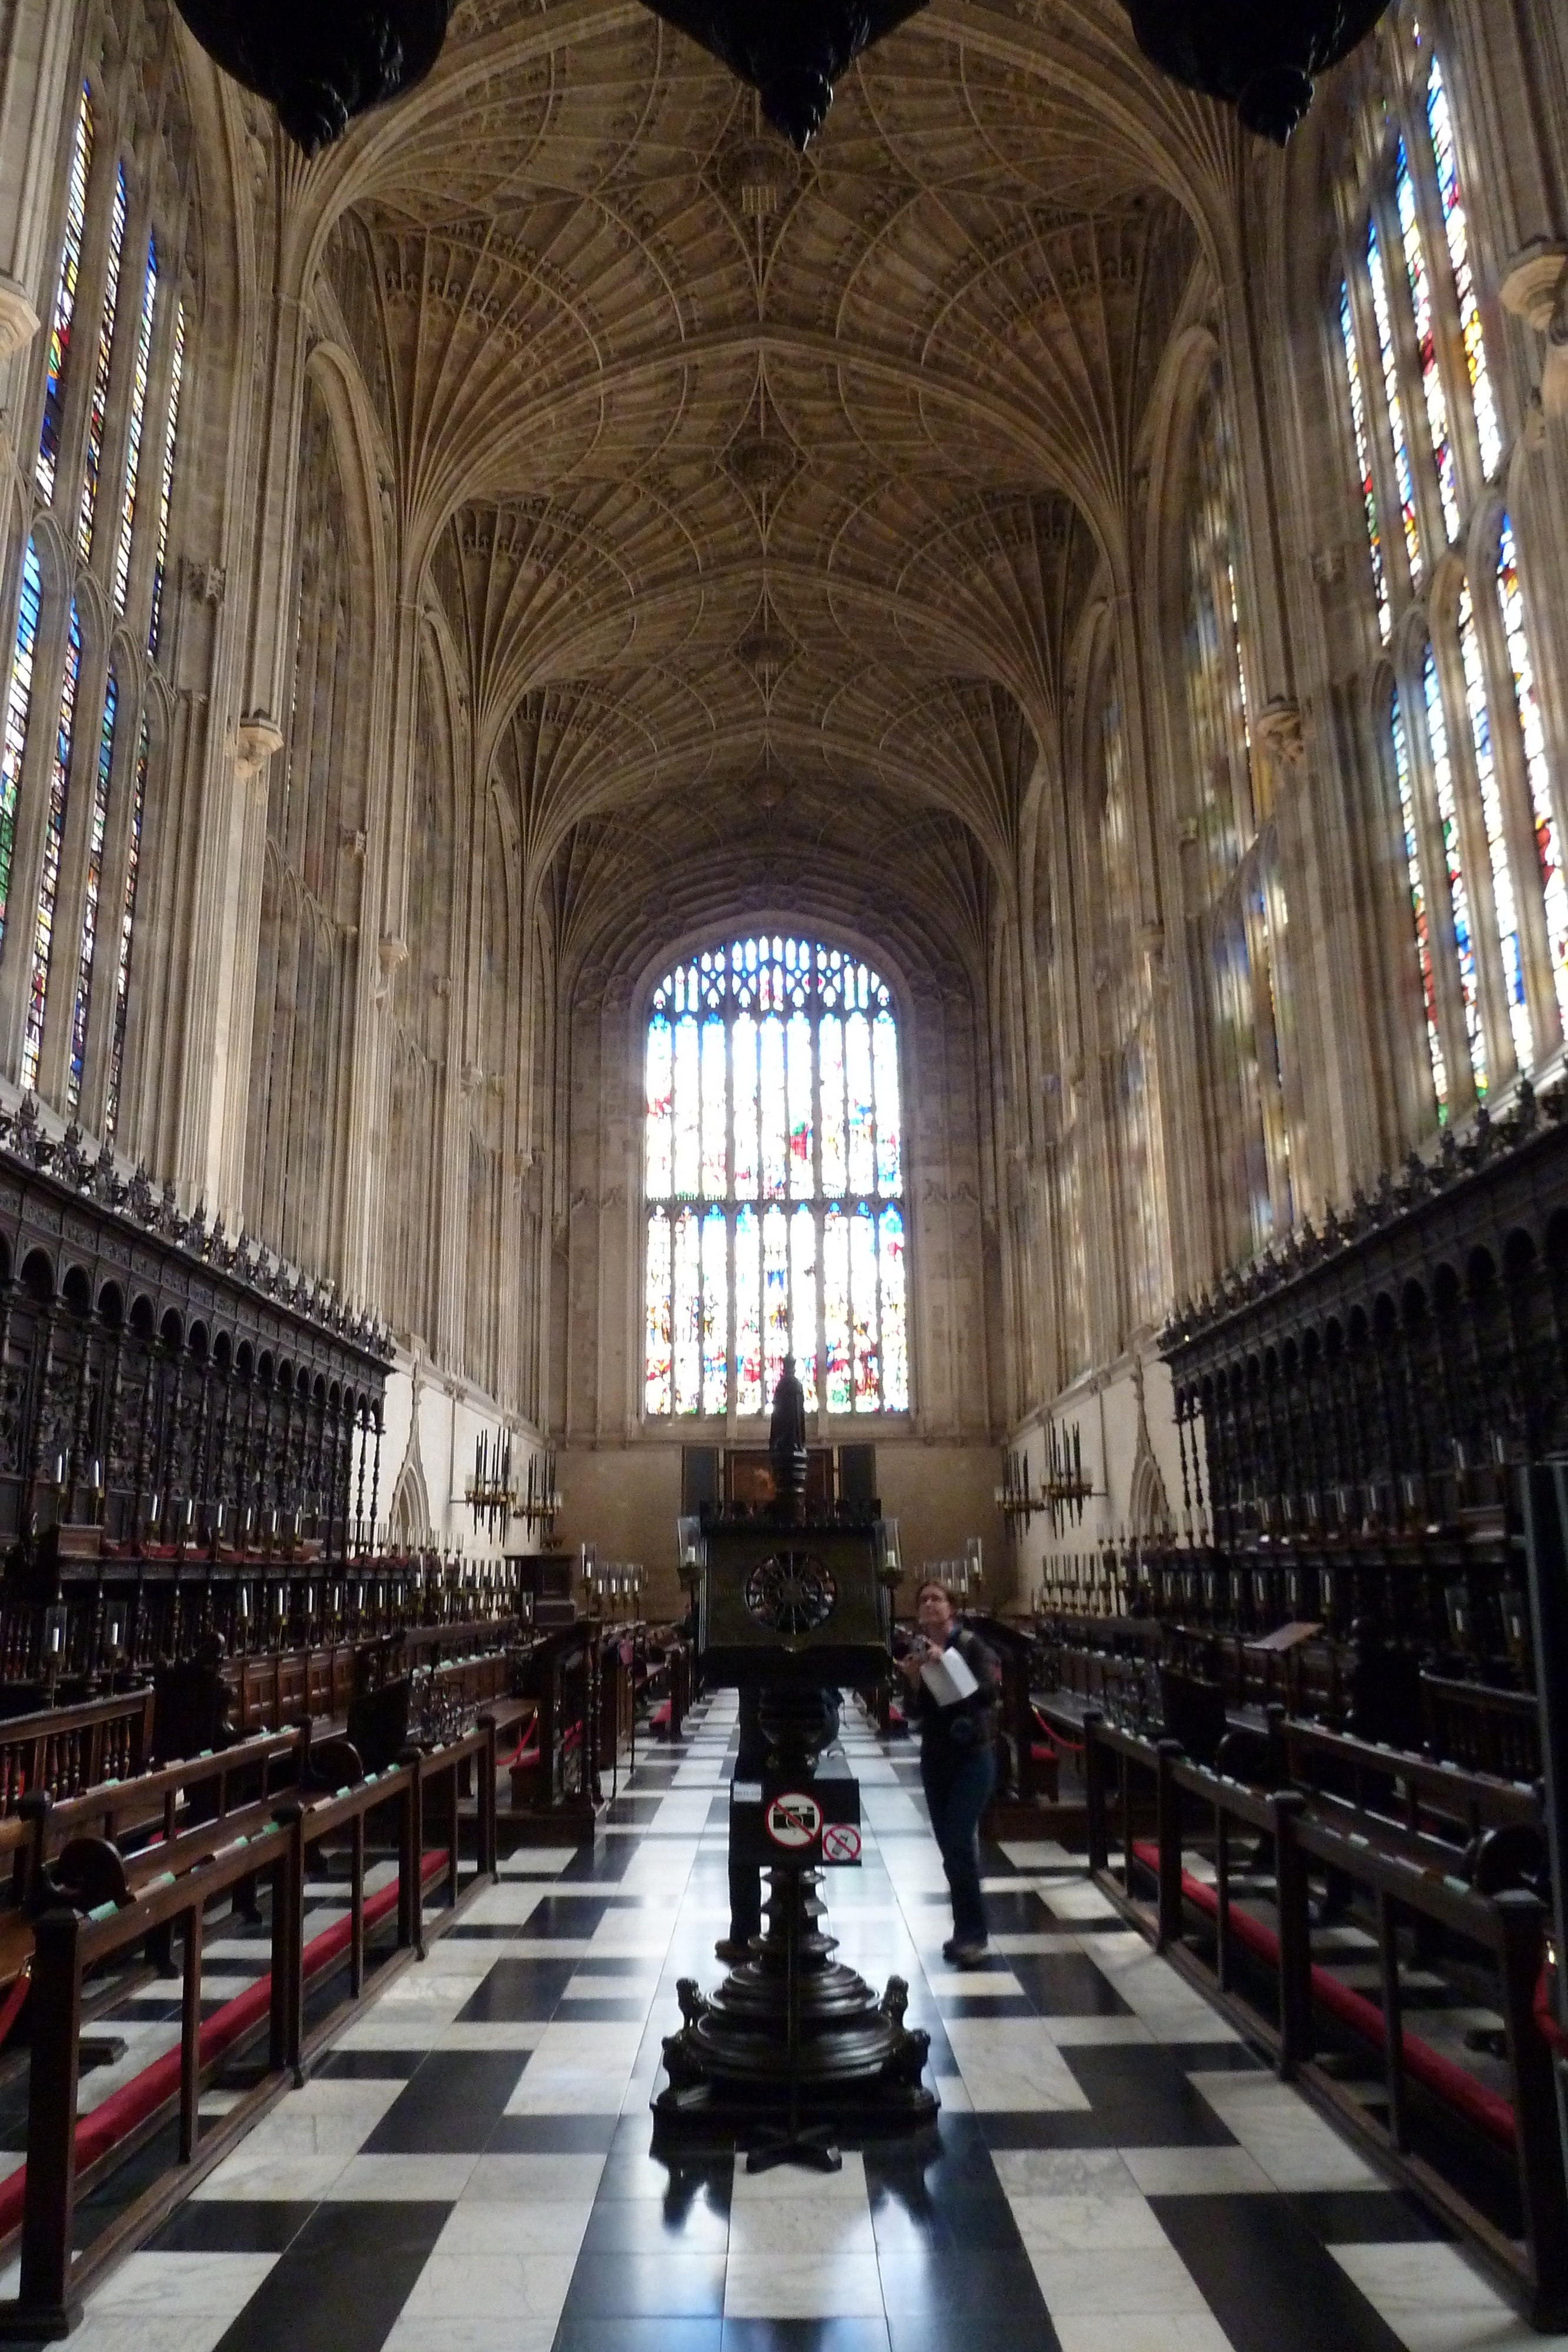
x,y
1063,1747
12,2010
1546,2026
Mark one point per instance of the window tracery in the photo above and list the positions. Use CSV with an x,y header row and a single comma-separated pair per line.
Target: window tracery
x,y
103,419
774,1184
1470,746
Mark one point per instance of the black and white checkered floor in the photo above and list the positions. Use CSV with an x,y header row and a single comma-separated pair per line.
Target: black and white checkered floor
x,y
469,2170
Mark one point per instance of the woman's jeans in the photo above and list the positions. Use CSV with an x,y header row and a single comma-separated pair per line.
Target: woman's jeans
x,y
957,1784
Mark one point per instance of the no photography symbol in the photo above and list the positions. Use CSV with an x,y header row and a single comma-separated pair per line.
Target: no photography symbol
x,y
794,1821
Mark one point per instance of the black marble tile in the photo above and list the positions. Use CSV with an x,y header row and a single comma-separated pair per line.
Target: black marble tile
x,y
369,2066
647,2286
1366,2216
579,2332
923,2282
805,2335
233,2225
450,2107
1019,1913
342,2282
1217,2058
1272,2284
1067,1984
1144,2097
959,2005
652,2225
564,1915
519,1992
551,2136
601,1865
973,2330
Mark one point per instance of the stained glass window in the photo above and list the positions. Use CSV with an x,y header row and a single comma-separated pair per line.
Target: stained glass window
x,y
99,409
18,703
138,416
1401,474
1548,840
166,482
1419,907
94,885
1364,461
1440,122
54,837
1458,888
1427,342
59,353
773,1162
1503,896
127,922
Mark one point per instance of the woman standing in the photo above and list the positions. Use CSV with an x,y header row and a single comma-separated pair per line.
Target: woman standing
x,y
952,1681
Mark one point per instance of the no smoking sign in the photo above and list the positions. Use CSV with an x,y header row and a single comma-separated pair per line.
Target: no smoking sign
x,y
794,1820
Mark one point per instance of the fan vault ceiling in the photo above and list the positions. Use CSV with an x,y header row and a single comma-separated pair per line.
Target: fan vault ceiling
x,y
761,493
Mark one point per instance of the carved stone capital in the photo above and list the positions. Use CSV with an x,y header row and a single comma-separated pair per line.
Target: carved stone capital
x,y
1531,284
18,320
259,737
1278,728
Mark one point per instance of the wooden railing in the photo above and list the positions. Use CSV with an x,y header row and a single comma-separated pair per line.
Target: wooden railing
x,y
1396,1883
66,2152
62,1750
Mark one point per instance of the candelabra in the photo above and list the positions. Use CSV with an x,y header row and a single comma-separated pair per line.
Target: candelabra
x,y
611,1587
963,1576
542,1496
491,1495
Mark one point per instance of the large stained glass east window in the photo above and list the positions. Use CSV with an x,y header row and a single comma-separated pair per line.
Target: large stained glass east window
x,y
166,480
774,1178
98,412
138,418
1504,899
1432,393
1453,853
123,960
54,840
94,889
1406,779
1401,474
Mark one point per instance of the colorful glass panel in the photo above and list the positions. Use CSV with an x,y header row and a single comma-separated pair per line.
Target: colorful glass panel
x,y
716,1112
1458,888
94,885
686,1320
772,1079
775,1295
138,418
18,706
797,1056
1504,900
840,1352
1432,389
1401,474
1440,122
1363,462
775,1114
687,1126
54,838
803,1300
659,1392
743,1086
831,1096
659,1109
895,1314
97,408
58,367
1548,838
166,478
864,1303
748,1396
716,1311
1418,911
127,924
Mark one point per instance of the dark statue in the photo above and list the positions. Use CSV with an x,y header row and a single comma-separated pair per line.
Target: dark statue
x,y
790,55
1260,59
787,1446
320,62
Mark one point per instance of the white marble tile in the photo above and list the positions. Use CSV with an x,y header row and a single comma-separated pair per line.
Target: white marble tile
x,y
507,1906
299,2147
685,1812
479,2287
1412,2285
1013,2063
1087,2225
562,2180
834,2227
576,2069
385,2179
1124,2331
537,1861
1009,1946
1157,2282
186,2285
491,2033
1039,1854
801,2286
1285,2137
500,2331
486,2225
1063,2172
1066,1900
1097,2033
